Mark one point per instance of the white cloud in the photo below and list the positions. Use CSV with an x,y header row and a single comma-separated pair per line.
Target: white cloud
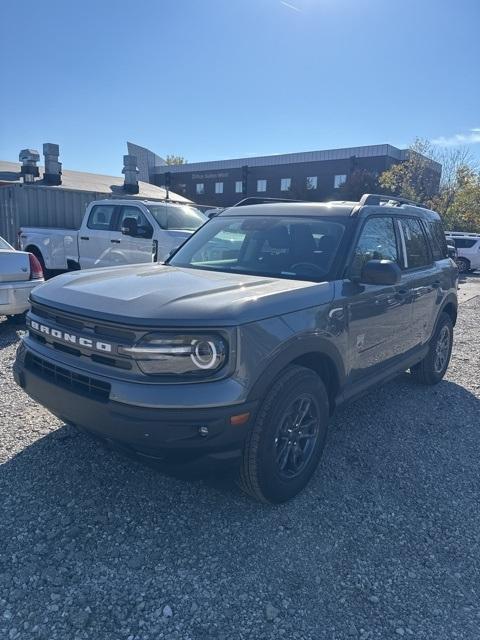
x,y
290,6
471,137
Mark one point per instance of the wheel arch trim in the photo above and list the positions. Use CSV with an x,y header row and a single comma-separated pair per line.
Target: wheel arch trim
x,y
315,347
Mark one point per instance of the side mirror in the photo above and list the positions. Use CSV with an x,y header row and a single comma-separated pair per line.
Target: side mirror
x,y
130,227
383,272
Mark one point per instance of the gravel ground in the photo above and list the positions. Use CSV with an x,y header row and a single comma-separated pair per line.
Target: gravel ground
x,y
384,543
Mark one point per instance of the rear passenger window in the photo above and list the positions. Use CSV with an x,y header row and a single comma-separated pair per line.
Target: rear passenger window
x,y
464,243
437,240
100,217
415,244
377,242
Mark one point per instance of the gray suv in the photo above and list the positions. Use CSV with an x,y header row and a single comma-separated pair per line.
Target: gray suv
x,y
239,348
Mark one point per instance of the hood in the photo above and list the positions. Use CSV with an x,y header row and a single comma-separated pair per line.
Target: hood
x,y
162,295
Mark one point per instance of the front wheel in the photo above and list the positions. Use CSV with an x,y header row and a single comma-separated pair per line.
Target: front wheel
x,y
286,442
435,364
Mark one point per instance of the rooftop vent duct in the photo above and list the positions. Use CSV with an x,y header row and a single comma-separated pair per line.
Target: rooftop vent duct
x,y
131,174
29,170
53,168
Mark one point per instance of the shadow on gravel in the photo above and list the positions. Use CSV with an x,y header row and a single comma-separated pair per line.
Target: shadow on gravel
x,y
465,277
10,332
87,531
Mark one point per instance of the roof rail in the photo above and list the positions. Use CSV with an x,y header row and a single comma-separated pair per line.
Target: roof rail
x,y
376,199
259,200
463,233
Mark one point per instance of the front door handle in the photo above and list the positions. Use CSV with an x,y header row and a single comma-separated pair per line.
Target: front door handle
x,y
115,241
84,238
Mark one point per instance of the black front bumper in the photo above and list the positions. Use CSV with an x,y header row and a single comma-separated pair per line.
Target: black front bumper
x,y
177,437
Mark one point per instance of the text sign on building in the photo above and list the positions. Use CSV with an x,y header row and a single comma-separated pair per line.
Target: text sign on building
x,y
206,176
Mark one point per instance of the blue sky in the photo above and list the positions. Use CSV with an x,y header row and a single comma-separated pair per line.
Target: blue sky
x,y
211,79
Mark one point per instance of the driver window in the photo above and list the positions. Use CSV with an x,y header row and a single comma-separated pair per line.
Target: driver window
x,y
136,222
377,242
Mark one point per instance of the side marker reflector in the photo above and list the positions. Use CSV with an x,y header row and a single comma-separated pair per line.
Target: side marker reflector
x,y
240,419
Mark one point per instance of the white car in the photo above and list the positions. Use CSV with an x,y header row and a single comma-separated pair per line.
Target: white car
x,y
468,248
20,272
114,232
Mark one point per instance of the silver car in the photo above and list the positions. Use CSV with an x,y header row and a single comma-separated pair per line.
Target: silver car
x,y
20,272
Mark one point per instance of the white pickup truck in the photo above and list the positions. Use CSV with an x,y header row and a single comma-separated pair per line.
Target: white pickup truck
x,y
114,232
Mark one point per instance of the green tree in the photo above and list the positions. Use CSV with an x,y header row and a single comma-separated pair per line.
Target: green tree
x,y
413,178
173,159
463,210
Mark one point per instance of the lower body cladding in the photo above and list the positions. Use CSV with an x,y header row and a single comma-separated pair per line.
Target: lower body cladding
x,y
193,437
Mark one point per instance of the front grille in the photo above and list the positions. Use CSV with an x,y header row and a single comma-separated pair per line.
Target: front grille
x,y
81,324
83,385
87,328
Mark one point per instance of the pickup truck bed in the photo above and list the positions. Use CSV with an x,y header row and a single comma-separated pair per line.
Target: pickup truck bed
x,y
57,249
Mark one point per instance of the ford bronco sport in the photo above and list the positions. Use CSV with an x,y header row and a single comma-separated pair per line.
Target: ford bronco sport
x,y
239,348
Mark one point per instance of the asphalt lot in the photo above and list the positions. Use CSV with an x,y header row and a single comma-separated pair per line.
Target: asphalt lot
x,y
384,543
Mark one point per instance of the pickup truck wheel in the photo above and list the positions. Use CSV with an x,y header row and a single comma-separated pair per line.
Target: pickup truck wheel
x,y
286,442
434,366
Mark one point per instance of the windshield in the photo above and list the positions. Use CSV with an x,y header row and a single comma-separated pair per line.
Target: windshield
x,y
283,247
177,216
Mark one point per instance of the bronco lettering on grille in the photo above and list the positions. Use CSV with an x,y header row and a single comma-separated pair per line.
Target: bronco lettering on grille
x,y
70,337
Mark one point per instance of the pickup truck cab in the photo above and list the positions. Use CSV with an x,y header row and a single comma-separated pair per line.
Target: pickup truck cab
x,y
114,232
238,349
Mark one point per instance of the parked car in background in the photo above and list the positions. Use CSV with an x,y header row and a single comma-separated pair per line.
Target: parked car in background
x,y
468,249
114,232
20,272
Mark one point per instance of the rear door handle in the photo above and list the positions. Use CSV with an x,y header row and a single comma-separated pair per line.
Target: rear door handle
x,y
84,238
115,241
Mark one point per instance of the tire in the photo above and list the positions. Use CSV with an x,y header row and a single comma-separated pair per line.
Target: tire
x,y
463,265
270,444
432,368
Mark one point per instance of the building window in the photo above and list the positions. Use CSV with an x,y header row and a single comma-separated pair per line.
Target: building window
x,y
238,186
285,184
312,182
261,185
218,187
339,180
200,188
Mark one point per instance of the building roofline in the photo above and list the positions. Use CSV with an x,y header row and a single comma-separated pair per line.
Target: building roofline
x,y
288,158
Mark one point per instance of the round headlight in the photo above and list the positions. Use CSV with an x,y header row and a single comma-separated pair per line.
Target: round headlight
x,y
204,354
178,354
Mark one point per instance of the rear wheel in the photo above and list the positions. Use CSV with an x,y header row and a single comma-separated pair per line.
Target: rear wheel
x,y
434,366
286,442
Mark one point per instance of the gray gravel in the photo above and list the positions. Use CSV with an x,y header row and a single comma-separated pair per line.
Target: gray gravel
x,y
384,543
